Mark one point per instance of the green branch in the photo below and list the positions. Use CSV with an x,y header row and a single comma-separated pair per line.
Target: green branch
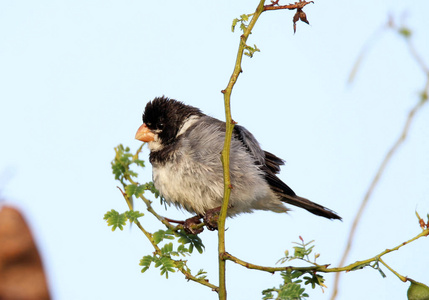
x,y
325,268
227,146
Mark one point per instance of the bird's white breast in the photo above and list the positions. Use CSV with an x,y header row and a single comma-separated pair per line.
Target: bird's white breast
x,y
183,183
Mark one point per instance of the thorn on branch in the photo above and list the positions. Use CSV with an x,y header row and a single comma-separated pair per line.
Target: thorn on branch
x,y
123,194
274,3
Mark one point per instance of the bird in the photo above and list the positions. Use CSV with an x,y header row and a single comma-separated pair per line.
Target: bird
x,y
185,146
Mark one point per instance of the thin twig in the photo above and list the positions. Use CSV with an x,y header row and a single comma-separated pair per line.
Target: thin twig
x,y
202,281
400,140
296,5
402,278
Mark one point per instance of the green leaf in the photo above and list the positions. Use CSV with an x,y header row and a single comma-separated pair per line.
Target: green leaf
x,y
132,215
115,219
192,240
146,262
314,280
122,161
290,289
166,265
138,162
118,170
234,23
131,173
167,249
160,235
130,189
151,187
244,17
201,274
182,250
299,252
135,190
267,294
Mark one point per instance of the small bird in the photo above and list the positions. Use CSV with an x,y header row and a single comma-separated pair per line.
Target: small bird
x,y
185,146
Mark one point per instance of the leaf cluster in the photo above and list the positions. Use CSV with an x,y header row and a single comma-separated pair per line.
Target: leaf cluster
x,y
122,162
163,260
183,239
138,190
117,220
290,289
302,251
249,51
243,20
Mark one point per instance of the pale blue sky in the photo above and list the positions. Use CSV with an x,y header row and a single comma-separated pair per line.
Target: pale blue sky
x,y
75,77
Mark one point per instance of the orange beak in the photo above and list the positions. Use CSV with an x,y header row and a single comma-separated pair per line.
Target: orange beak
x,y
144,134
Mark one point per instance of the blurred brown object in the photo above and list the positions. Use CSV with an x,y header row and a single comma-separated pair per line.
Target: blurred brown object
x,y
21,271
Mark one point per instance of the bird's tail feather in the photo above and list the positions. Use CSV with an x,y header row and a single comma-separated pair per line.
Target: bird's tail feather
x,y
312,207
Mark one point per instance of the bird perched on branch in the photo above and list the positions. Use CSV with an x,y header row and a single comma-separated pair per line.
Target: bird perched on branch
x,y
185,146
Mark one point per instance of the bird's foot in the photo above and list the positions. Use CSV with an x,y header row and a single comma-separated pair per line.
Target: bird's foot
x,y
211,218
191,225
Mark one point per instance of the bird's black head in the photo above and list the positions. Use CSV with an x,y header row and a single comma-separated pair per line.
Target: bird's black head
x,y
165,117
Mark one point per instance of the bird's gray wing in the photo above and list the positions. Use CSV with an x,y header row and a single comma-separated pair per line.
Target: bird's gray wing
x,y
268,162
250,143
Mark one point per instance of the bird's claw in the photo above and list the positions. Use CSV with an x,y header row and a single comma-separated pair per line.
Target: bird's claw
x,y
211,218
190,225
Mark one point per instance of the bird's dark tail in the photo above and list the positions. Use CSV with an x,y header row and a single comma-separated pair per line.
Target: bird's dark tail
x,y
312,207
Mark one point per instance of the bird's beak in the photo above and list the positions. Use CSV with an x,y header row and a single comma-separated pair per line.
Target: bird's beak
x,y
144,134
